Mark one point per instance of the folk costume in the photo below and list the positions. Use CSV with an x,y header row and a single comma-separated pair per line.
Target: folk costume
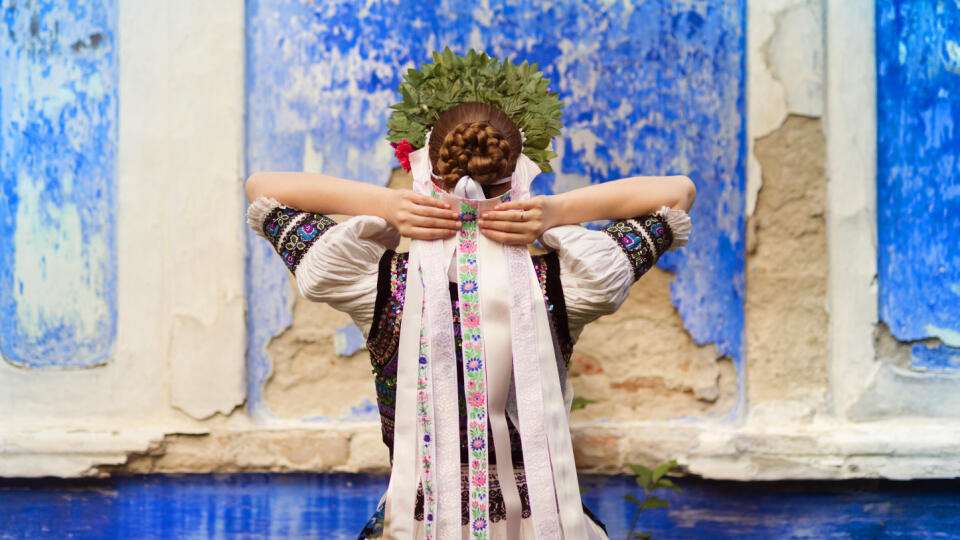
x,y
470,339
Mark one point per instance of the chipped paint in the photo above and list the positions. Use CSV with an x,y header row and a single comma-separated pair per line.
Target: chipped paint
x,y
58,140
348,339
918,158
785,43
936,358
320,80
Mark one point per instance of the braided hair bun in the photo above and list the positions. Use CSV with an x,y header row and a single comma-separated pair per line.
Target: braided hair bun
x,y
475,140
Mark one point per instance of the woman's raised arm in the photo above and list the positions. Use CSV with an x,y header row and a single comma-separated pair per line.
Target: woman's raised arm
x,y
414,215
618,199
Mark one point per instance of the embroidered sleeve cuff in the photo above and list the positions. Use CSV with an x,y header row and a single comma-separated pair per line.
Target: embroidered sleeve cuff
x,y
645,238
291,232
678,222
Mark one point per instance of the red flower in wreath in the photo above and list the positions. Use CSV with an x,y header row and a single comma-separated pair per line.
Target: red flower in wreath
x,y
402,151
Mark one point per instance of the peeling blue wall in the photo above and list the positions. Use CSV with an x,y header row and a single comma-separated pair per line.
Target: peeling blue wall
x,y
918,176
654,88
58,118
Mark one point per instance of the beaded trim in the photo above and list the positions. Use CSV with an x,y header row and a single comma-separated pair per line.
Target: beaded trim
x,y
642,239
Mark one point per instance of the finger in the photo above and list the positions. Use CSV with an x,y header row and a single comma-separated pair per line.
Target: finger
x,y
509,226
525,204
431,211
426,233
510,215
433,223
426,200
511,239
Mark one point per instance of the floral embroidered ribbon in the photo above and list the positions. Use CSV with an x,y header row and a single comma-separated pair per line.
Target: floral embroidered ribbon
x,y
474,368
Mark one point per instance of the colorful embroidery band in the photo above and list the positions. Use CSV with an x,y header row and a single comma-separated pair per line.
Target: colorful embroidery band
x,y
276,221
643,240
425,431
474,369
292,232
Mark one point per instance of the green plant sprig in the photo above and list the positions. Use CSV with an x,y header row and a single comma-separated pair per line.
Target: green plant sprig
x,y
650,481
519,90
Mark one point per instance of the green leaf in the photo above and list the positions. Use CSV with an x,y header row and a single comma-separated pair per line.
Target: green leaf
x,y
580,403
665,483
641,535
642,473
518,90
632,499
663,468
652,502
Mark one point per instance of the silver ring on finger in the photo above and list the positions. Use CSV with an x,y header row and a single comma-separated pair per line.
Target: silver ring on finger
x,y
521,215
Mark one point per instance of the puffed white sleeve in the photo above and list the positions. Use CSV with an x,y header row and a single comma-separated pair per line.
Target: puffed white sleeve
x,y
597,267
334,263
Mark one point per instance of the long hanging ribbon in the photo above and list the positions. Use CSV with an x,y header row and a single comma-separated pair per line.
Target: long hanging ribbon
x,y
401,492
495,324
441,364
474,370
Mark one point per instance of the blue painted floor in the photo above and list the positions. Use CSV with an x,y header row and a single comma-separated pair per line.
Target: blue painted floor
x,y
302,506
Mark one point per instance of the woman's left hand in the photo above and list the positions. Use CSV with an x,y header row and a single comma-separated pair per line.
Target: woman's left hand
x,y
519,223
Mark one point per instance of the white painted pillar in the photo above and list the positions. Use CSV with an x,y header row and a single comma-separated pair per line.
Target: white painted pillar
x,y
851,130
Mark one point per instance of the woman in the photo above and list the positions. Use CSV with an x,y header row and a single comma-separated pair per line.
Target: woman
x,y
474,379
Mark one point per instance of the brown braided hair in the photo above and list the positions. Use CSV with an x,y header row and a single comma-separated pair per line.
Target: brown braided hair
x,y
477,150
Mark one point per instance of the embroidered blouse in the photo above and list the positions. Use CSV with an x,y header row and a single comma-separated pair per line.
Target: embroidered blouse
x,y
353,266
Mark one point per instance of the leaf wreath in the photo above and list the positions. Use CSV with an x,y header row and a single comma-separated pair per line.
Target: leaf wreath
x,y
519,90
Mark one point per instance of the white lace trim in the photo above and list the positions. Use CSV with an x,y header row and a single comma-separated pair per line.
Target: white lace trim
x,y
257,212
679,223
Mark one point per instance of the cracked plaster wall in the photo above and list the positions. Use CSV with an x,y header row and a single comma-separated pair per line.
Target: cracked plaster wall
x,y
656,374
308,379
641,363
786,318
785,42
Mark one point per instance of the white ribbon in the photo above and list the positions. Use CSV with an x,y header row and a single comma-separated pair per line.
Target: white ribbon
x,y
442,367
509,293
402,490
468,188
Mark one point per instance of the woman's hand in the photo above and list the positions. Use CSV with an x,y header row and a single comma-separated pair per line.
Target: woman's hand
x,y
519,223
419,216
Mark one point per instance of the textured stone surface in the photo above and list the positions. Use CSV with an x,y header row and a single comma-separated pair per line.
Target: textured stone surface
x,y
786,319
640,363
308,379
785,44
283,450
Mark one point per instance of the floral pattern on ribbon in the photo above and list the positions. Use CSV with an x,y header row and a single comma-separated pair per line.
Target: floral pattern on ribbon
x,y
424,413
474,372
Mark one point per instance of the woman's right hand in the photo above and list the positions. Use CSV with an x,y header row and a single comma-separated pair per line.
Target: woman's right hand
x,y
419,216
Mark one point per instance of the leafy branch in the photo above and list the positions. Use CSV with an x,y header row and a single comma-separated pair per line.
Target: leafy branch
x,y
519,90
650,481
